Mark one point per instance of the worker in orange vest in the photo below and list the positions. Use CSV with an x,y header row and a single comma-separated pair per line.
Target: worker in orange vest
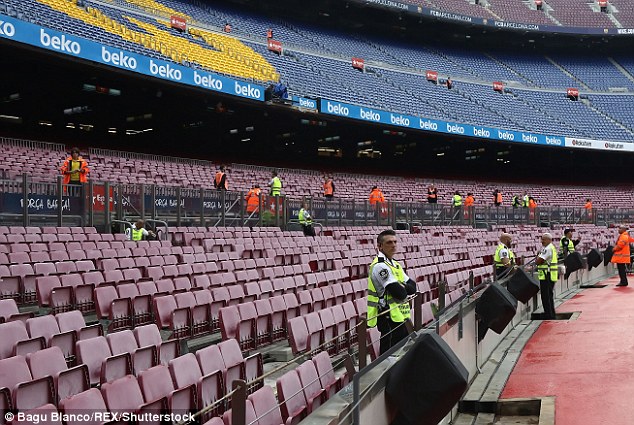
x,y
75,168
269,33
329,188
253,199
432,194
220,181
621,253
497,198
588,207
469,200
376,196
532,203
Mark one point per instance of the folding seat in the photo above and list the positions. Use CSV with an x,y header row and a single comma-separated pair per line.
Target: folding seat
x,y
20,283
110,307
170,260
141,304
298,335
361,304
221,299
102,365
326,374
186,372
77,254
47,327
291,397
238,367
165,286
107,264
27,394
318,299
13,371
81,295
374,343
74,321
315,331
201,281
303,302
88,401
182,283
266,288
17,245
229,322
154,272
44,269
299,282
156,384
236,294
124,395
338,293
249,418
266,407
67,381
132,274
184,270
314,393
342,325
329,296
9,311
147,335
263,323
329,327
46,414
200,314
141,262
169,316
124,342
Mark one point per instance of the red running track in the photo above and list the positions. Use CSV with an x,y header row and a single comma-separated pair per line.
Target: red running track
x,y
586,364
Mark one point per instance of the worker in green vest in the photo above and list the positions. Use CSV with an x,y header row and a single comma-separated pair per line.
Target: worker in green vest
x,y
276,185
567,245
138,231
306,221
457,199
504,258
388,288
547,273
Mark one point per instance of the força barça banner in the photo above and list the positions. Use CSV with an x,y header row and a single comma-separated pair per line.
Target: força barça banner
x,y
35,35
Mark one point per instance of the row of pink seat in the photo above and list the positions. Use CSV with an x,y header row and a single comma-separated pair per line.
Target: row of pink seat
x,y
32,230
302,390
61,237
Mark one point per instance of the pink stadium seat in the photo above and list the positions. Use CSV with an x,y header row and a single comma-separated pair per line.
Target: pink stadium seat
x,y
89,400
265,406
293,403
314,393
149,335
51,362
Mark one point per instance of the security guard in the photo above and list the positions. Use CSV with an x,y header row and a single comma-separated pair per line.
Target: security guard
x,y
548,273
516,202
567,245
138,231
525,200
497,198
504,258
276,185
432,194
253,199
388,288
457,199
621,256
306,221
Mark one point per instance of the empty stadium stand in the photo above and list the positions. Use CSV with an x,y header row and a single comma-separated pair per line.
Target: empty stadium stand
x,y
316,62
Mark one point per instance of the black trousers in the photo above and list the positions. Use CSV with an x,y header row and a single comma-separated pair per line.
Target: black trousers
x,y
391,333
546,289
308,229
622,273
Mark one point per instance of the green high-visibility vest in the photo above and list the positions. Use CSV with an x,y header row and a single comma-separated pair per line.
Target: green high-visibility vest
x,y
551,267
571,245
457,200
276,187
496,257
137,234
302,217
397,315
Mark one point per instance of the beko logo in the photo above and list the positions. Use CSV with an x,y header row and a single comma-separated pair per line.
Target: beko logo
x,y
207,81
455,128
7,28
370,115
337,109
165,71
307,103
481,132
556,141
399,120
118,58
529,138
62,43
247,90
505,135
428,125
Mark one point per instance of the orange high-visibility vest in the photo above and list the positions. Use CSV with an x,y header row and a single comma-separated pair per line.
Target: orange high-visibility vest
x,y
83,170
469,200
328,188
621,251
498,198
588,206
218,179
253,200
376,196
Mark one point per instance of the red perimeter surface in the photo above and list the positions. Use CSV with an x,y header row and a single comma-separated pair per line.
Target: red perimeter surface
x,y
587,364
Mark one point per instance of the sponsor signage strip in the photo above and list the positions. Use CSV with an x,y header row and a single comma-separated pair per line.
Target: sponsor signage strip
x,y
35,35
456,17
401,120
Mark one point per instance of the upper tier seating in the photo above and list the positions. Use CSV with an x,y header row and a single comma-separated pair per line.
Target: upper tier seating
x,y
322,67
